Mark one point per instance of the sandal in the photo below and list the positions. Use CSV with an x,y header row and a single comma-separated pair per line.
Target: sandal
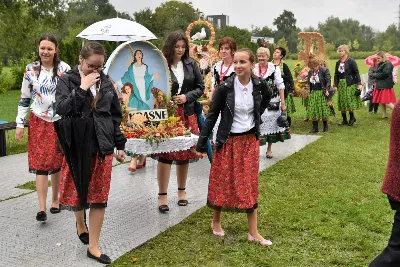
x,y
268,156
163,208
182,202
55,210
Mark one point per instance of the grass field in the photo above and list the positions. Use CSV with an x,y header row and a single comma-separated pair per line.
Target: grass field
x,y
321,206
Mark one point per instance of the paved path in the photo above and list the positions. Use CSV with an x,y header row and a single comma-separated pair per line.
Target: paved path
x,y
131,219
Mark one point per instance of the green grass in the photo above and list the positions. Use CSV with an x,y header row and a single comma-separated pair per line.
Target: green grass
x,y
31,185
8,112
321,206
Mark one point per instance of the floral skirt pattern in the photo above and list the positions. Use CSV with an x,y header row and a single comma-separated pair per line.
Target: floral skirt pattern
x,y
347,101
318,107
99,185
233,183
384,96
44,154
186,155
290,107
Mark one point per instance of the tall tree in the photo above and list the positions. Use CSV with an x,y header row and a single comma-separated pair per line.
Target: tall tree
x,y
286,27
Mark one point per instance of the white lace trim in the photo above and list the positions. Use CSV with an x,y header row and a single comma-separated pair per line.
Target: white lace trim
x,y
142,147
270,125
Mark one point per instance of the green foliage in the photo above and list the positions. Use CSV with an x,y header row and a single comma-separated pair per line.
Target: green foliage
x,y
18,69
282,43
356,45
286,25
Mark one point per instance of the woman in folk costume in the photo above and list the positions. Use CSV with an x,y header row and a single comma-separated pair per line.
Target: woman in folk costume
x,y
348,82
233,184
223,69
390,256
86,90
269,128
187,87
383,90
39,85
278,56
320,83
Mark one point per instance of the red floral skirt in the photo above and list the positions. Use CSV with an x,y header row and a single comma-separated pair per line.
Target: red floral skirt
x,y
384,96
99,185
185,155
44,153
233,184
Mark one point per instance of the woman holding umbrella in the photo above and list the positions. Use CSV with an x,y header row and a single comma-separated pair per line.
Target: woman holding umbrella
x,y
89,132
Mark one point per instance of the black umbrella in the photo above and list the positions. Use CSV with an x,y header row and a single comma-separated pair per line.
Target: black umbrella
x,y
75,135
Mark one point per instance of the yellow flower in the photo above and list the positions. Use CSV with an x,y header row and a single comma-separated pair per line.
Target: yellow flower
x,y
297,64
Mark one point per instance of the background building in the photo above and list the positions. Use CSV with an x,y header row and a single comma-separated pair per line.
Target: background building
x,y
219,20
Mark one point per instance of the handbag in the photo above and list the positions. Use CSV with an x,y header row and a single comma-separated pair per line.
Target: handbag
x,y
273,106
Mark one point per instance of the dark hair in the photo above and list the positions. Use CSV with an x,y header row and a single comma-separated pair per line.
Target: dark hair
x,y
92,48
168,49
228,41
134,56
89,49
283,51
56,59
127,84
249,52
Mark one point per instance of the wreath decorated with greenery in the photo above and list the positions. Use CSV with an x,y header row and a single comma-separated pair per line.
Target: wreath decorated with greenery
x,y
205,44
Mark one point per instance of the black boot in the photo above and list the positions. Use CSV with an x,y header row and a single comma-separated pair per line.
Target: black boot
x,y
289,119
352,119
325,126
314,127
344,122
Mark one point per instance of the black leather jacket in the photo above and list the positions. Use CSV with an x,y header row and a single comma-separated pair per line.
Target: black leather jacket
x,y
324,79
383,75
106,116
192,86
224,102
351,72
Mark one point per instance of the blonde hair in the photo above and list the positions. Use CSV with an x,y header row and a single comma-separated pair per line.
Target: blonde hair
x,y
345,48
383,56
314,61
263,50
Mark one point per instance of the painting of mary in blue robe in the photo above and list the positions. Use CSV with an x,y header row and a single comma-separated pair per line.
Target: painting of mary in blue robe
x,y
142,81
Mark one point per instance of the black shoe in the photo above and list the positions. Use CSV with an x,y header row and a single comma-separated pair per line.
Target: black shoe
x,y
182,202
102,259
352,121
55,210
325,126
315,127
163,208
41,216
344,122
84,237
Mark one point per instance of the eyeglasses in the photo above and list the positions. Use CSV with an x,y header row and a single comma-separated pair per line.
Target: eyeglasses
x,y
94,67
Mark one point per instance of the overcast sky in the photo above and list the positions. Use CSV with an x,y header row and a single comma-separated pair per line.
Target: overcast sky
x,y
378,14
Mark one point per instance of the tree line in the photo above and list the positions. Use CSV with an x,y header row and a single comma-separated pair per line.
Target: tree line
x,y
23,21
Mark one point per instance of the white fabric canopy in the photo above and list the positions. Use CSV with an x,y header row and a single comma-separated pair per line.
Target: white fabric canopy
x,y
117,30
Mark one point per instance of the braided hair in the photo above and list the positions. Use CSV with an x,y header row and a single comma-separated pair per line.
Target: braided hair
x,y
56,59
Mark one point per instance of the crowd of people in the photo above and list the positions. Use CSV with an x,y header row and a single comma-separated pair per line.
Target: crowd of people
x,y
74,125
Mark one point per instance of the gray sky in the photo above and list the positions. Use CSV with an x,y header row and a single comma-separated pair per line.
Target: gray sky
x,y
378,14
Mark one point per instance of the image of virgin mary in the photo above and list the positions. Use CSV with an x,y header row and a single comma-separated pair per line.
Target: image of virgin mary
x,y
142,81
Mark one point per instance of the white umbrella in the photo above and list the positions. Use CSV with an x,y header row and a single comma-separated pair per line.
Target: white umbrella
x,y
117,29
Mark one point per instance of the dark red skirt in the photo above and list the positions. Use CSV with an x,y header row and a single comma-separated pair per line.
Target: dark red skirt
x,y
99,185
44,153
384,96
233,184
185,155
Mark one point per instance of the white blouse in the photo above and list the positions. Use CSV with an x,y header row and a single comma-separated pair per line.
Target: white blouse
x,y
40,87
278,80
217,68
179,74
243,119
